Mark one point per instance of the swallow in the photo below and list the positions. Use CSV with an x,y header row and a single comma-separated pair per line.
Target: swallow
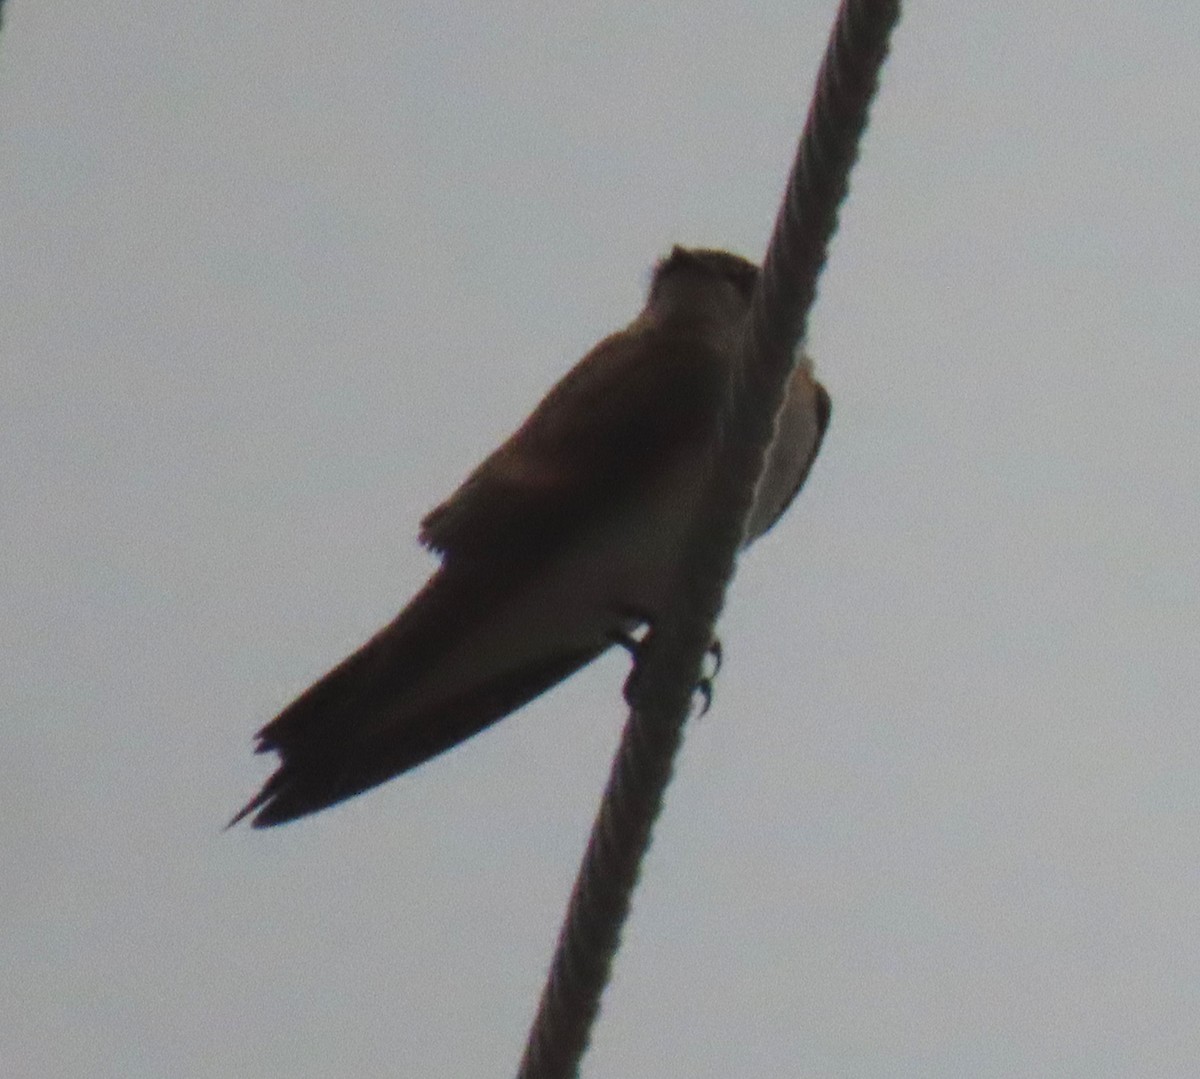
x,y
559,545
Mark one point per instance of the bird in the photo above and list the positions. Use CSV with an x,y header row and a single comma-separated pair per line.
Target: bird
x,y
560,545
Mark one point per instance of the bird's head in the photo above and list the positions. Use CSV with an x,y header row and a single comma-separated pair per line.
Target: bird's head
x,y
700,285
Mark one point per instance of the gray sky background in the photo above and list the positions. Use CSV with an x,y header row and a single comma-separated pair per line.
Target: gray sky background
x,y
273,278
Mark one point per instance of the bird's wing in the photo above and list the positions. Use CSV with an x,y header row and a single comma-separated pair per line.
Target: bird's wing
x,y
358,727
627,410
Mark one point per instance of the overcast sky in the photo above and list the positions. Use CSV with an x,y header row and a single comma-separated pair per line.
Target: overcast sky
x,y
274,276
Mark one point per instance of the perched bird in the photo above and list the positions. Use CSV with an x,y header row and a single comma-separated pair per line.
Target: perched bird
x,y
558,546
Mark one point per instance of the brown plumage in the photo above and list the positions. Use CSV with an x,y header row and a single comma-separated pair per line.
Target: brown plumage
x,y
560,542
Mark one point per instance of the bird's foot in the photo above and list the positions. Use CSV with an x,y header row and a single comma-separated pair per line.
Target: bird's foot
x,y
634,645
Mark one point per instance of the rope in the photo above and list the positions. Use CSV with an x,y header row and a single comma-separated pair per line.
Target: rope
x,y
670,666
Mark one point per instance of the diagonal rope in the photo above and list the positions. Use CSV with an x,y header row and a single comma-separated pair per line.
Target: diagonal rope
x,y
675,650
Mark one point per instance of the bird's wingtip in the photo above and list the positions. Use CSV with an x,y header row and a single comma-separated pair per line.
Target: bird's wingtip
x,y
244,812
260,805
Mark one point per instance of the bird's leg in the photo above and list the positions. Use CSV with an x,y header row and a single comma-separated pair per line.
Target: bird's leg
x,y
626,640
